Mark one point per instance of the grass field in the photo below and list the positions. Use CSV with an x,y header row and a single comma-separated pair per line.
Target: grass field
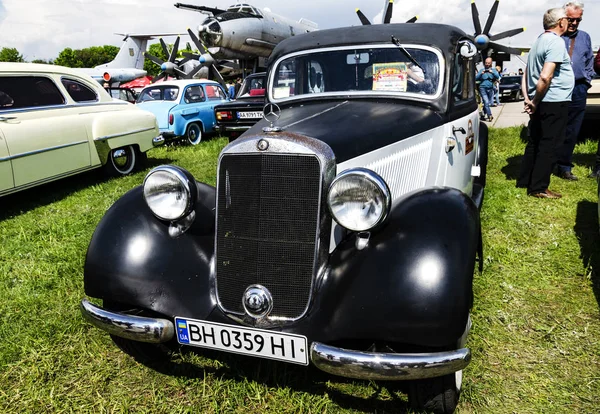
x,y
536,324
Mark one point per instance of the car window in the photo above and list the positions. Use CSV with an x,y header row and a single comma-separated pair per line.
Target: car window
x,y
214,92
159,93
506,80
254,86
375,70
193,94
28,91
78,91
463,79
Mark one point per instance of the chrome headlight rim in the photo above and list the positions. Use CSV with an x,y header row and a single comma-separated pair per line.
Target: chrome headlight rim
x,y
188,184
375,179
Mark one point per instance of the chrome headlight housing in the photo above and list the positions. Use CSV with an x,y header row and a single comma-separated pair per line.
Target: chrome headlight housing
x,y
170,192
359,199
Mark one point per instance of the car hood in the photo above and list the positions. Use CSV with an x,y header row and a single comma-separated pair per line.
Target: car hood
x,y
160,109
355,127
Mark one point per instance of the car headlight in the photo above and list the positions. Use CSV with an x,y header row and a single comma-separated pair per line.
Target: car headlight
x,y
359,199
170,192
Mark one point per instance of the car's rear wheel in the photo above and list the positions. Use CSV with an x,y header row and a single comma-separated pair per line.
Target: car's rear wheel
x,y
436,395
518,96
123,161
194,134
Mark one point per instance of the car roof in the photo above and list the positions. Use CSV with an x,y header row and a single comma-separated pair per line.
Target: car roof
x,y
182,83
40,68
443,36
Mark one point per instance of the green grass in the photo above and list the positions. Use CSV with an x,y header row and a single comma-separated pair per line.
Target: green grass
x,y
535,338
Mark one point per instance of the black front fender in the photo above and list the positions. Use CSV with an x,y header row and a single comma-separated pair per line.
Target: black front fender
x,y
413,282
132,259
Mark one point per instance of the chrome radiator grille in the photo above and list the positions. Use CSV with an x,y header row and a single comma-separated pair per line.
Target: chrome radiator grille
x,y
267,220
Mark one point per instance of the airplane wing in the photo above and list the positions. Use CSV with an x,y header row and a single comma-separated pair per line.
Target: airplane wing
x,y
199,9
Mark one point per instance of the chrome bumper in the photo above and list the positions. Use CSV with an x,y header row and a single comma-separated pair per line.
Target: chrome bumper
x,y
137,328
157,141
386,366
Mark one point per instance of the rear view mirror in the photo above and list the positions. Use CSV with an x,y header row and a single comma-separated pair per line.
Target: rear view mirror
x,y
356,58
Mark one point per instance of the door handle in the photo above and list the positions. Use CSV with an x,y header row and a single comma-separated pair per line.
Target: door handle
x,y
459,129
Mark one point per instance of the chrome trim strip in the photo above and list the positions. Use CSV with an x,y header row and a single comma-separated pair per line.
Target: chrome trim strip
x,y
79,105
369,94
387,366
137,328
236,128
40,151
104,138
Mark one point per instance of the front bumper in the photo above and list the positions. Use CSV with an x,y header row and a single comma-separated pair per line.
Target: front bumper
x,y
334,360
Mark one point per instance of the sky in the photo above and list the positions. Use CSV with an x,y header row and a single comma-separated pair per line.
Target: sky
x,y
40,29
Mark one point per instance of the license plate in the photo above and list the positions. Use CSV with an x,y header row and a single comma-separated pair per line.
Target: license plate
x,y
242,340
247,115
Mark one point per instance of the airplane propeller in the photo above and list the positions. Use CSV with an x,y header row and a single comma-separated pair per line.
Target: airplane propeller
x,y
386,18
205,59
171,66
484,40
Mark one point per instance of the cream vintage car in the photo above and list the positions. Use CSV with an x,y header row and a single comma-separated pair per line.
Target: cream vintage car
x,y
56,122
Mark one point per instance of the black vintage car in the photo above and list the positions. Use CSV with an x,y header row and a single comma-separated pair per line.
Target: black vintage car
x,y
510,88
235,117
344,228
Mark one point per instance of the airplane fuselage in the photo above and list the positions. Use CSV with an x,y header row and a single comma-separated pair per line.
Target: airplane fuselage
x,y
235,35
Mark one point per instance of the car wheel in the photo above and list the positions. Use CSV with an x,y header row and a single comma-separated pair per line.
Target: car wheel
x,y
194,134
436,395
518,96
121,161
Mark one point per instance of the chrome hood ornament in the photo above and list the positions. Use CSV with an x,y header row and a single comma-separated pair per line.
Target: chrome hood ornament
x,y
271,112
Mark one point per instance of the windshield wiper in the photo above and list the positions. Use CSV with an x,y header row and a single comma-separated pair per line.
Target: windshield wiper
x,y
408,55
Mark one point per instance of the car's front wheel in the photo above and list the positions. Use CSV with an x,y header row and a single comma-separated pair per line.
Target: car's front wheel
x,y
194,134
436,395
123,161
518,96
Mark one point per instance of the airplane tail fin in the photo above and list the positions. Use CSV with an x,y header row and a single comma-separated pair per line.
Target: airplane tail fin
x,y
131,54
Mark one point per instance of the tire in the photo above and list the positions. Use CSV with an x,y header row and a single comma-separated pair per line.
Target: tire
x,y
122,161
193,133
518,96
436,395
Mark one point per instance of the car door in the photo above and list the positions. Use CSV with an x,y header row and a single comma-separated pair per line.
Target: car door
x,y
6,175
463,129
46,137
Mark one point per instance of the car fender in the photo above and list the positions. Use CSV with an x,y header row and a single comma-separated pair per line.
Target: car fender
x,y
132,258
413,282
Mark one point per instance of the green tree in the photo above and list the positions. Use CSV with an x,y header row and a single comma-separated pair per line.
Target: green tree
x,y
48,62
10,54
87,57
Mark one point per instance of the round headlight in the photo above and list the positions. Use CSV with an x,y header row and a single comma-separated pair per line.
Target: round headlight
x,y
359,199
170,192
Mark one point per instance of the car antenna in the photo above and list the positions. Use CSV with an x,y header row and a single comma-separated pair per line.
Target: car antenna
x,y
408,55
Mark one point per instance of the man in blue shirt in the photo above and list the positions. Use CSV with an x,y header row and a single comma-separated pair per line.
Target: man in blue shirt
x,y
547,86
487,76
579,47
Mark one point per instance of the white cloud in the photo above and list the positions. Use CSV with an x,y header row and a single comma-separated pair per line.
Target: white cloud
x,y
42,28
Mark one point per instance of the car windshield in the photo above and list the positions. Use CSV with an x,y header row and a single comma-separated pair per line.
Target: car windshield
x,y
253,87
374,70
159,93
507,80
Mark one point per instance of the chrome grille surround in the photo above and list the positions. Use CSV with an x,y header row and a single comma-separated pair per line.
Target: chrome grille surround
x,y
279,144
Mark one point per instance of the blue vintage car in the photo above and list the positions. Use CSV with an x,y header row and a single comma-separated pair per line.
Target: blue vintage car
x,y
183,108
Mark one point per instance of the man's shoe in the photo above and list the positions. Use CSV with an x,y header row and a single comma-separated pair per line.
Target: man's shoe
x,y
545,194
595,173
490,118
567,175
